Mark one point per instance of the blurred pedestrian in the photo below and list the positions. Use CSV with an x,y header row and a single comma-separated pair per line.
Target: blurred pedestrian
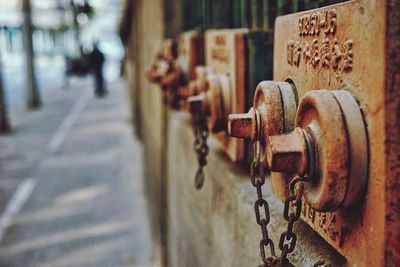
x,y
97,61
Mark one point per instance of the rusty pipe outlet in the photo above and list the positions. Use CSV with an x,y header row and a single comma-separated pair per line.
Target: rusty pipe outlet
x,y
288,152
332,122
199,84
276,104
243,125
215,103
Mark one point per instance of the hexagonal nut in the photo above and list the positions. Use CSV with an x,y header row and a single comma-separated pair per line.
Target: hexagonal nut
x,y
288,152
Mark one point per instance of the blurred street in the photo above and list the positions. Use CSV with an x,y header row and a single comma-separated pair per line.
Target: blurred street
x,y
71,190
71,169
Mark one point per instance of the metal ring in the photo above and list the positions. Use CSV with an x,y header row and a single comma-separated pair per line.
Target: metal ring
x,y
311,155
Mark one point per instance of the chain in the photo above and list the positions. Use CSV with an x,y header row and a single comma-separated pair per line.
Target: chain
x,y
288,239
258,180
291,211
201,147
257,177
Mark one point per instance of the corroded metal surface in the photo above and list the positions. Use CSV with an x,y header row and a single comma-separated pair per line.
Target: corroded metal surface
x,y
288,152
174,68
221,86
320,115
275,114
276,105
336,155
333,48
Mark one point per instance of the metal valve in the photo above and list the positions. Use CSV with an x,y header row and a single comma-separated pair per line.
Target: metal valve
x,y
214,103
158,69
330,145
199,84
273,112
275,103
162,64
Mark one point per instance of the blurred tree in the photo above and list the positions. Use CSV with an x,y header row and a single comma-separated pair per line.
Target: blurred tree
x,y
77,10
34,100
4,121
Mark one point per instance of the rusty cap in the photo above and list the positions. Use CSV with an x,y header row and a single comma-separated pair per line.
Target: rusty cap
x,y
242,125
288,152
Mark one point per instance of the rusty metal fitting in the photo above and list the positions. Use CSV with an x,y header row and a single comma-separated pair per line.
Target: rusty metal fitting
x,y
198,104
158,69
288,152
163,64
276,103
183,91
243,125
331,121
199,84
170,49
220,101
201,72
173,78
214,103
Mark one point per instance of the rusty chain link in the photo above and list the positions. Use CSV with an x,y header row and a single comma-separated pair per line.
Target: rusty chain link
x,y
257,178
201,148
288,239
291,212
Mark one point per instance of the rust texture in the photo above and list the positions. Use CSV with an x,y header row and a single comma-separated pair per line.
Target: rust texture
x,y
329,145
242,125
268,102
392,127
288,152
225,55
355,46
173,68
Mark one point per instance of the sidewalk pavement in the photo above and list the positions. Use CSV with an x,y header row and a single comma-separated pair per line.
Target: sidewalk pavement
x,y
71,183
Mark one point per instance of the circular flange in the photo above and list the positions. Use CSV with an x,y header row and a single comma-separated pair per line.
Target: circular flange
x,y
289,103
268,101
276,102
215,103
226,100
320,115
200,84
358,147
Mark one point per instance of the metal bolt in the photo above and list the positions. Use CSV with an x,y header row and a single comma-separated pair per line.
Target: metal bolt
x,y
288,152
242,125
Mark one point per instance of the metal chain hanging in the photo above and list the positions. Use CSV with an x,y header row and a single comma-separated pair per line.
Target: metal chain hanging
x,y
201,148
291,212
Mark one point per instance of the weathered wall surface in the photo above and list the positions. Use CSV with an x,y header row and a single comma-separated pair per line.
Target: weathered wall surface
x,y
145,41
215,226
211,227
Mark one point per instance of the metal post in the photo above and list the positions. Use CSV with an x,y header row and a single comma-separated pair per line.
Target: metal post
x,y
33,100
76,29
4,121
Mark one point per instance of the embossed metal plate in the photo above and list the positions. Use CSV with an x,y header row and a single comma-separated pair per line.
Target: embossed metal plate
x,y
225,53
246,58
190,53
343,46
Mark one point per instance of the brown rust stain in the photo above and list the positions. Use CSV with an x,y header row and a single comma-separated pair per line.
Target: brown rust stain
x,y
392,128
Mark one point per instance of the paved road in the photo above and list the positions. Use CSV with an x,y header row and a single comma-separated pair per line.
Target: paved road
x,y
49,76
75,171
49,73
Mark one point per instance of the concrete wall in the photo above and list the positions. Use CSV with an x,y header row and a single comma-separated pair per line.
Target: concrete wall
x,y
148,111
216,226
211,227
